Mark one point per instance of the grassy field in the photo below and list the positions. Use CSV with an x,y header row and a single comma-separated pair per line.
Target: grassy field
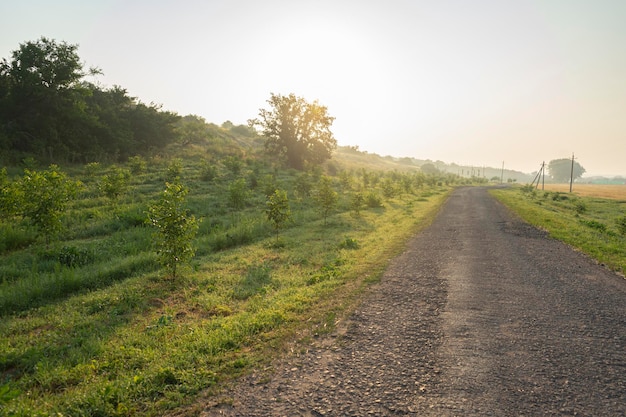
x,y
614,192
91,325
592,220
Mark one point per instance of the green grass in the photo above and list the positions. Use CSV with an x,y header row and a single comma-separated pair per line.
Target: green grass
x,y
91,326
589,224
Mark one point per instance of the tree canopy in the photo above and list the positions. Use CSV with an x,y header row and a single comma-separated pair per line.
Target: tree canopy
x,y
296,130
49,110
560,170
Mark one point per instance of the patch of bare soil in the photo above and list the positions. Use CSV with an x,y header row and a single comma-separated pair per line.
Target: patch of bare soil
x,y
482,315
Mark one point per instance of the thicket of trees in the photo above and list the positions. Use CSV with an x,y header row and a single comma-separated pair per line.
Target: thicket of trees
x,y
50,111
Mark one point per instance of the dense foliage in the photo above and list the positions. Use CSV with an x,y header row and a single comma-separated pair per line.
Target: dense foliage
x,y
297,130
562,170
49,110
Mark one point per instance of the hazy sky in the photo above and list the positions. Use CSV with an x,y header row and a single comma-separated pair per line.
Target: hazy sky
x,y
471,82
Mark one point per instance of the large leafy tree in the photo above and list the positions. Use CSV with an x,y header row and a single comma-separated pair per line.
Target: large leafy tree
x,y
561,170
296,130
42,96
48,110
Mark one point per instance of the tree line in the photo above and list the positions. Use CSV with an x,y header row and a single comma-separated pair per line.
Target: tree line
x,y
50,111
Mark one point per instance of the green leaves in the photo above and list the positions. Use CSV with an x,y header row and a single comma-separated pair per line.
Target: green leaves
x,y
45,195
296,130
277,209
115,184
175,228
326,197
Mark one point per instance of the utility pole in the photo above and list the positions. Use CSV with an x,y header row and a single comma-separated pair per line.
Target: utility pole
x,y
571,175
502,174
543,175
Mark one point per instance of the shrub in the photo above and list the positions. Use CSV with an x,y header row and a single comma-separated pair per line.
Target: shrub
x,y
46,195
208,171
92,169
174,169
349,243
238,194
373,200
71,256
137,164
115,184
621,225
580,207
357,203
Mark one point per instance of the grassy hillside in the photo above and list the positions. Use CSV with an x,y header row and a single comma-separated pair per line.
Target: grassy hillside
x,y
92,325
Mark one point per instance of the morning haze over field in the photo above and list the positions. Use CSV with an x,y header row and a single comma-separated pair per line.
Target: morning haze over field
x,y
473,83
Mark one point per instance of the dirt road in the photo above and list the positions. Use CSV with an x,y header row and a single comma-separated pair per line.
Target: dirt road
x,y
482,315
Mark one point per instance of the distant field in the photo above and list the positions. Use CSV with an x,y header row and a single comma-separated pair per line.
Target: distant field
x,y
616,192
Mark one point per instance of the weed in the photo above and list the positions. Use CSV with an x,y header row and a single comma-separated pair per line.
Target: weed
x,y
594,224
621,225
349,243
580,207
72,257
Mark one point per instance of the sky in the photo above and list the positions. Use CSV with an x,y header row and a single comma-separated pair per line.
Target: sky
x,y
474,82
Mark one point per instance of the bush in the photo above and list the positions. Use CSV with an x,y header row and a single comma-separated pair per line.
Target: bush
x,y
373,200
46,196
621,225
349,243
137,164
115,184
72,257
208,171
580,207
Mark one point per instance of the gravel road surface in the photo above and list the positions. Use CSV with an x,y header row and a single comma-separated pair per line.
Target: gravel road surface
x,y
482,315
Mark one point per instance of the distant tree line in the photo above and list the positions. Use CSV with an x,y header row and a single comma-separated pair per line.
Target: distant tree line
x,y
50,111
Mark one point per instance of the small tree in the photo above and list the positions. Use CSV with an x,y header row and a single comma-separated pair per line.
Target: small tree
x,y
115,184
277,210
45,198
137,164
303,185
238,194
325,197
357,203
175,228
174,170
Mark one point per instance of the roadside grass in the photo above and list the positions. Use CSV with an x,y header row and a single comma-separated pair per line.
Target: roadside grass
x,y
589,224
90,326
